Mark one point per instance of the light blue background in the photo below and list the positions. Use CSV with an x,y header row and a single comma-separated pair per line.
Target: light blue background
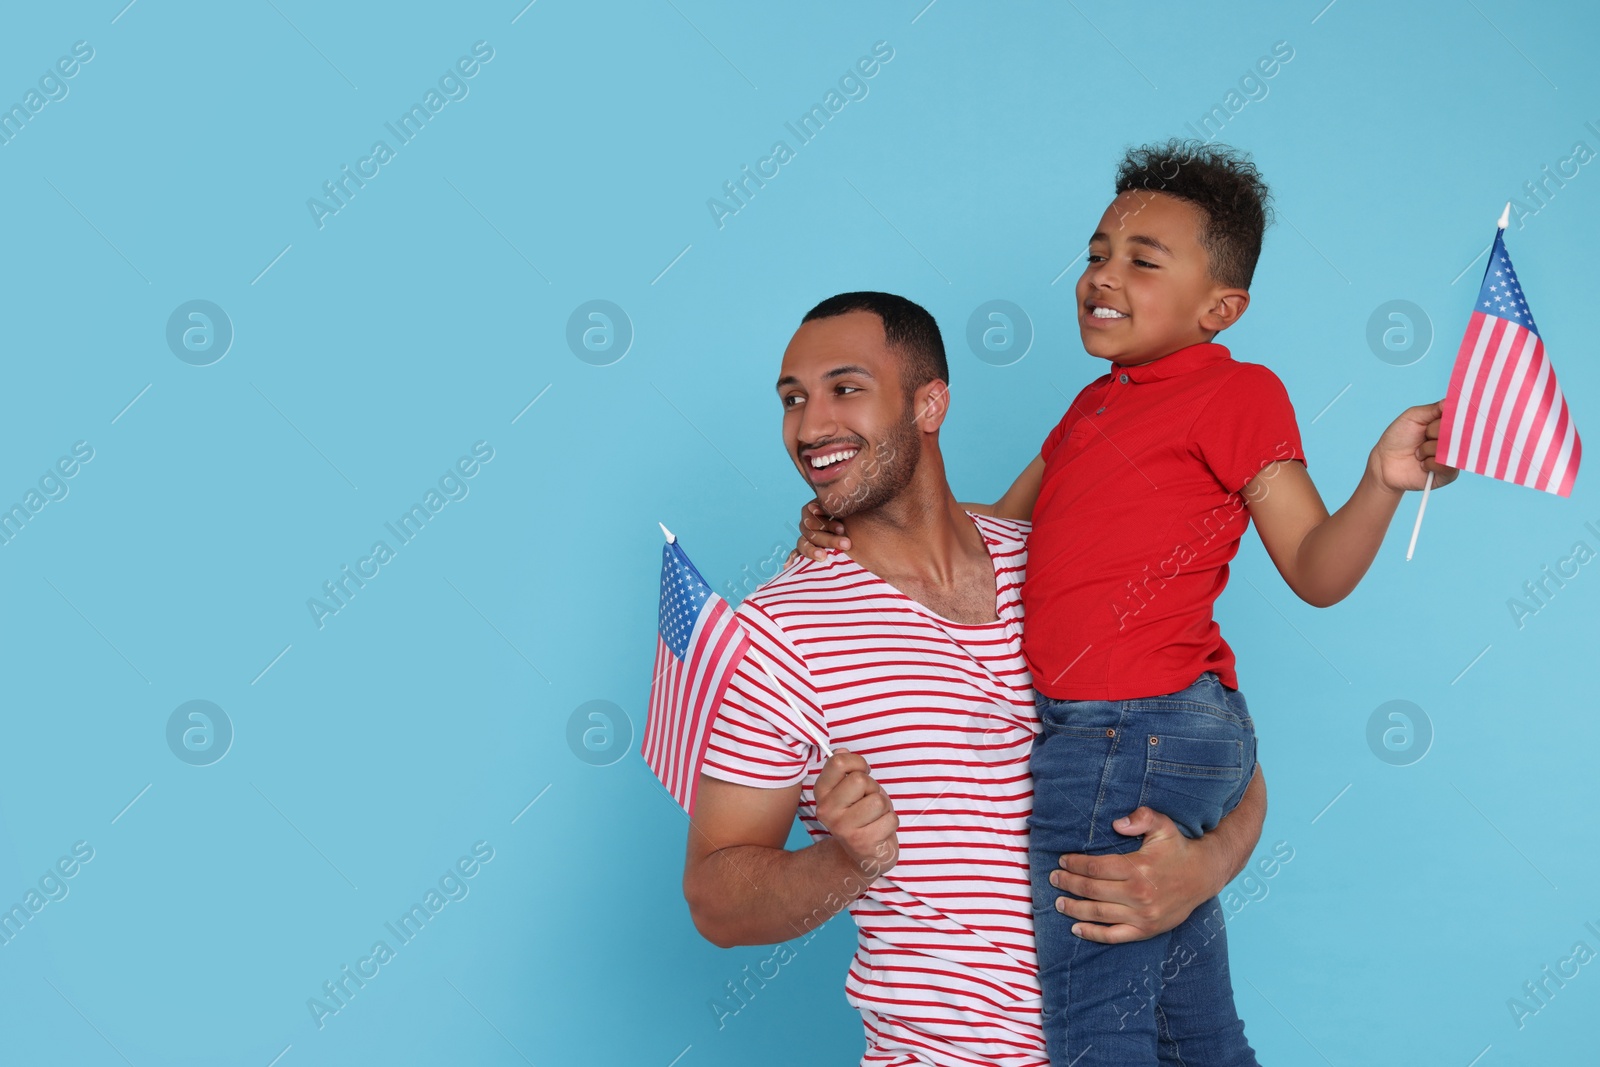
x,y
427,314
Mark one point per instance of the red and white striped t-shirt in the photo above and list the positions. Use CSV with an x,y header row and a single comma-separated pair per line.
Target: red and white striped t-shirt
x,y
944,971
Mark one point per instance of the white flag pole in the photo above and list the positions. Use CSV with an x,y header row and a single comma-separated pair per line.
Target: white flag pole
x,y
800,719
1412,547
1505,217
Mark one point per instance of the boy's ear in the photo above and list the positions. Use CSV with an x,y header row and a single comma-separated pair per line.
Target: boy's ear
x,y
1225,308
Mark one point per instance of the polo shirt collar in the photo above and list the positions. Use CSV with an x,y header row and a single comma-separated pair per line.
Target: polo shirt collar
x,y
1184,360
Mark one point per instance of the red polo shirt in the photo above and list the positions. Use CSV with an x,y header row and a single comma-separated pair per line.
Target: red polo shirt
x,y
1139,513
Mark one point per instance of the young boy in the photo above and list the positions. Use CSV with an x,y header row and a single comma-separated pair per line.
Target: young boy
x,y
1138,499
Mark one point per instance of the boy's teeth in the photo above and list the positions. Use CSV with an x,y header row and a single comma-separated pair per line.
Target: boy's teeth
x,y
818,462
1107,313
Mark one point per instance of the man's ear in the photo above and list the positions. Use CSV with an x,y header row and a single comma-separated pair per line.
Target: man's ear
x,y
1225,308
931,403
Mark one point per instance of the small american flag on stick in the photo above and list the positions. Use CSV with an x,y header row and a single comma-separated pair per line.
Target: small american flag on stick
x,y
699,645
1505,415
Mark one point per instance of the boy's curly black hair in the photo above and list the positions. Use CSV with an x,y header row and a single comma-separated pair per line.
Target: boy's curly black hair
x,y
1220,181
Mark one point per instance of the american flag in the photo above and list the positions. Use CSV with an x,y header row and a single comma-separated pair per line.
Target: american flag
x,y
699,644
1505,415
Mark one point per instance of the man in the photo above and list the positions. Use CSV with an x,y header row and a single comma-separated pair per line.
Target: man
x,y
907,655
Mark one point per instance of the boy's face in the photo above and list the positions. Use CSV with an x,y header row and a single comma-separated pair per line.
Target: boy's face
x,y
1150,279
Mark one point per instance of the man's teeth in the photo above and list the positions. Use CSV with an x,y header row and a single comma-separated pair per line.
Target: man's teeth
x,y
1107,313
818,462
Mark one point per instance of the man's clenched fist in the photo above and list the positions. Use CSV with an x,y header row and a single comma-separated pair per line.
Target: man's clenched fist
x,y
857,812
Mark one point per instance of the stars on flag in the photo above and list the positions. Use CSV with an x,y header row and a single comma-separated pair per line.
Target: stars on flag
x,y
1501,295
683,595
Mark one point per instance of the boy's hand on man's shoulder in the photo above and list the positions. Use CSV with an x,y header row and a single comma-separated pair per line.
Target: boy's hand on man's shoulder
x,y
818,533
1407,451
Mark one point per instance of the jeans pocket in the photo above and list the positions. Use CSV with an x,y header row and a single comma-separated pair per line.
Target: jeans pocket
x,y
1077,718
1196,757
1068,767
1196,768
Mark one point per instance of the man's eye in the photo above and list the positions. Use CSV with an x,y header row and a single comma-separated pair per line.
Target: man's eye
x,y
847,389
789,401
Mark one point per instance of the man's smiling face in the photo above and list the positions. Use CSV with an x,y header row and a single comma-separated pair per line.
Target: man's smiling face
x,y
1147,288
847,420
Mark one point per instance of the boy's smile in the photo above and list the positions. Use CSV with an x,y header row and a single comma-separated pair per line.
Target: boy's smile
x,y
1147,290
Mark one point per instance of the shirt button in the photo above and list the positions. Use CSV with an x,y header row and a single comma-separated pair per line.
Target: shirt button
x,y
1123,378
1099,411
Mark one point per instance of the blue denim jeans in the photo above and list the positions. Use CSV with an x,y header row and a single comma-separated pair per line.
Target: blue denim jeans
x,y
1168,999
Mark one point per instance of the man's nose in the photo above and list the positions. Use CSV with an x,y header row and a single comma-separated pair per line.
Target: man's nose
x,y
818,421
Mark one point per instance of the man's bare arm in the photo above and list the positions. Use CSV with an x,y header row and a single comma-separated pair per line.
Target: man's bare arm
x,y
745,888
1144,893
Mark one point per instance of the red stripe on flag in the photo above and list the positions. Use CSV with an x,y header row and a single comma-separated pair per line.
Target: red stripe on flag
x,y
1451,435
1552,457
685,698
1537,416
1521,346
1542,438
724,676
1564,488
649,744
1505,415
654,731
696,712
1509,449
1479,387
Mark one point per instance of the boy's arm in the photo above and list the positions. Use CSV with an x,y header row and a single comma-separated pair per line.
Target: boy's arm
x,y
1018,501
819,532
744,888
1322,557
1140,894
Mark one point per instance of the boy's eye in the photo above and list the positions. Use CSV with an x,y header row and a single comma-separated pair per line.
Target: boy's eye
x,y
1096,258
1144,263
788,400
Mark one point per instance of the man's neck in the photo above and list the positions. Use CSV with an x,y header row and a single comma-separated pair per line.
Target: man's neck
x,y
923,534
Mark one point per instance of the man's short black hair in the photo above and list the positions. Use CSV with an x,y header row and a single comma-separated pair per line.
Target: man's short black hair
x,y
1220,181
907,328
